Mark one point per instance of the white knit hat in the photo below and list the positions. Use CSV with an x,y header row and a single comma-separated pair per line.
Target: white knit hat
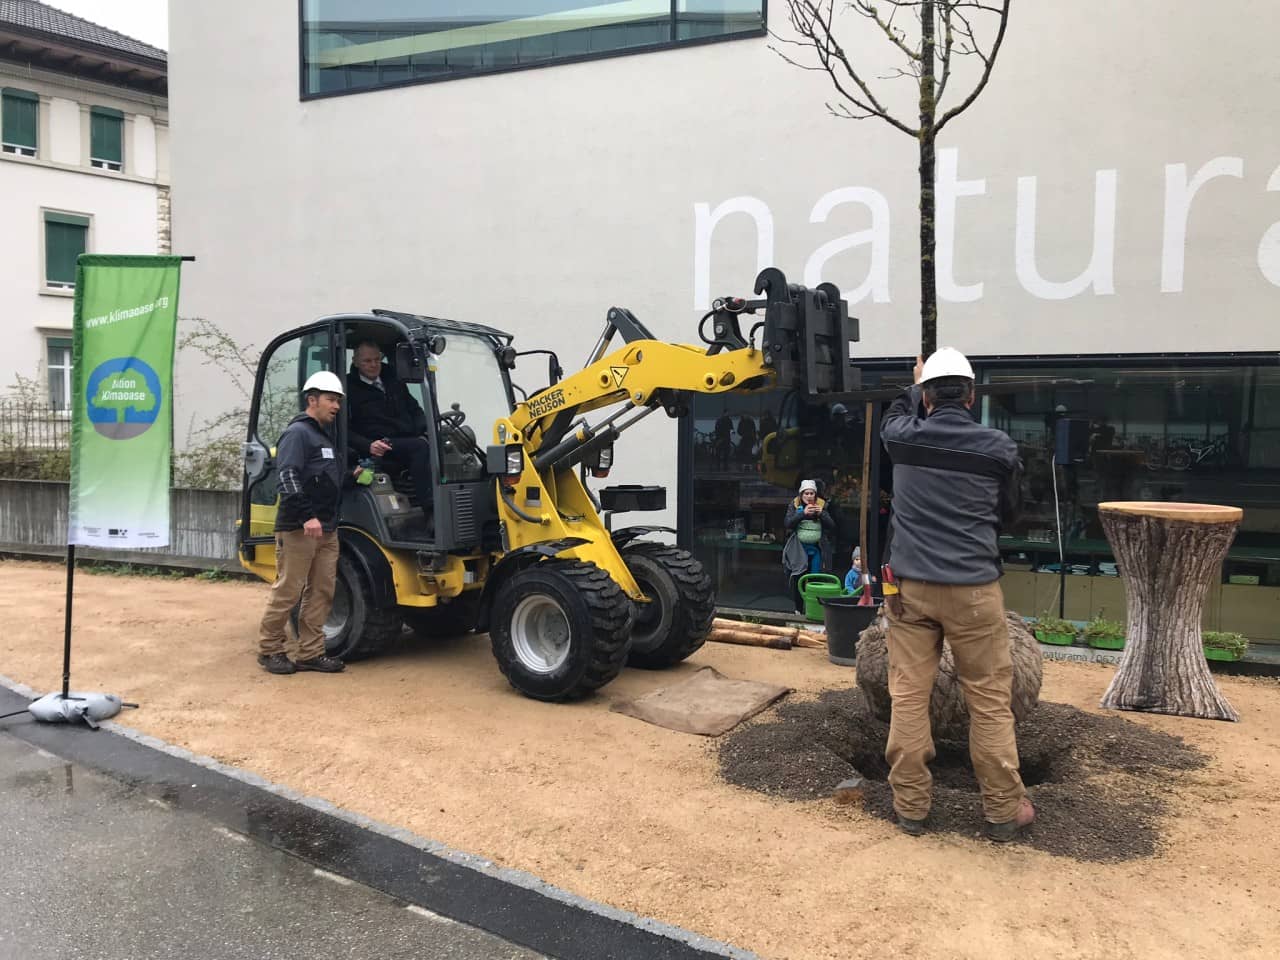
x,y
808,485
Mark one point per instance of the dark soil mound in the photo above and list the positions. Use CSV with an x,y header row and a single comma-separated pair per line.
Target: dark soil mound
x,y
1098,783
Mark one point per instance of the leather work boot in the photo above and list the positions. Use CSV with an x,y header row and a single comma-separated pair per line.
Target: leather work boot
x,y
912,828
276,663
322,664
1004,832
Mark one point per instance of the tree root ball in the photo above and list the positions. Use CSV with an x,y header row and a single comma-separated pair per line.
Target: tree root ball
x,y
947,709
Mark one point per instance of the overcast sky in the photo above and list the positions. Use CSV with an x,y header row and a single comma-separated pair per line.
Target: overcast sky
x,y
145,20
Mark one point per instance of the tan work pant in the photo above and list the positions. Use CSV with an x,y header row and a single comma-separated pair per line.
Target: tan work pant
x,y
972,619
305,568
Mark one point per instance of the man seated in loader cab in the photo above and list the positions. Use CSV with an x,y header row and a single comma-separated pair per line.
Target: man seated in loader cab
x,y
385,421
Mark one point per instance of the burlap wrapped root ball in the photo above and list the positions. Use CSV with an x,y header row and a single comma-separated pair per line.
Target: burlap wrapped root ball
x,y
947,709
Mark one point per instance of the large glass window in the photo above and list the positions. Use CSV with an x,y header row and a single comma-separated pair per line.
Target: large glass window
x,y
1185,430
1192,429
750,452
352,45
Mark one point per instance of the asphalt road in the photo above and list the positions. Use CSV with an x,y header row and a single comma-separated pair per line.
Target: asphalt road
x,y
97,868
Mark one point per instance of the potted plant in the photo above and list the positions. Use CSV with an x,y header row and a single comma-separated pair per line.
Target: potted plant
x,y
1102,634
1054,630
1220,645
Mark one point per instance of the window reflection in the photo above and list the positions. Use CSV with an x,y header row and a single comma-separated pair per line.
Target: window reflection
x,y
357,44
1202,432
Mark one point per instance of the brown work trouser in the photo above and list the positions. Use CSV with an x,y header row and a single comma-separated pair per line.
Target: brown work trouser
x,y
972,619
306,568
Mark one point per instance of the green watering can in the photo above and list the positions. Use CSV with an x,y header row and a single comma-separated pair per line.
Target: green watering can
x,y
816,587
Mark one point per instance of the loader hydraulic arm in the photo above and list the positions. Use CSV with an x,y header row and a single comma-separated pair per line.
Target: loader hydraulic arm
x,y
804,342
804,345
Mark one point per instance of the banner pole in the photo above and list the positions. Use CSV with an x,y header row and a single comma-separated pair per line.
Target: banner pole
x,y
66,640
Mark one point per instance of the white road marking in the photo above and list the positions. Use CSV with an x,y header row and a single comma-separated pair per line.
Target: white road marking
x,y
332,876
428,914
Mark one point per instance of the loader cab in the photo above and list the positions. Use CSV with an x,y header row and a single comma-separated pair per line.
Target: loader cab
x,y
453,372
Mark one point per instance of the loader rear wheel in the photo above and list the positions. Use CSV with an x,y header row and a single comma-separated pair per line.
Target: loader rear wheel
x,y
676,620
359,624
560,629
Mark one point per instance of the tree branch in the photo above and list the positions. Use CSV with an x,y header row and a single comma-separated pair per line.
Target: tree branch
x,y
807,18
869,10
988,62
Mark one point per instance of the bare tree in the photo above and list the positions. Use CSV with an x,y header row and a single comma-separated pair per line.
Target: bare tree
x,y
940,33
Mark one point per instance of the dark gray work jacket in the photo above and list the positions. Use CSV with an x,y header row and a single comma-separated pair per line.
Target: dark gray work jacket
x,y
955,482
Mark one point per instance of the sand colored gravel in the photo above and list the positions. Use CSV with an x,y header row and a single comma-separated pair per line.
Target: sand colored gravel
x,y
431,738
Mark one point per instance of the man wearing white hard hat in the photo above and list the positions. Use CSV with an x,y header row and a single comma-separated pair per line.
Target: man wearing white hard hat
x,y
310,483
955,482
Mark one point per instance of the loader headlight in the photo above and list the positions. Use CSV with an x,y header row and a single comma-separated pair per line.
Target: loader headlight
x,y
600,461
515,460
504,460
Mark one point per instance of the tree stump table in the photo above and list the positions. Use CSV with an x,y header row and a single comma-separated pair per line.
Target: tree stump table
x,y
1168,553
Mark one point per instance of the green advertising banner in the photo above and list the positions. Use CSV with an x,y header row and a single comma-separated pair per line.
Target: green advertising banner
x,y
122,403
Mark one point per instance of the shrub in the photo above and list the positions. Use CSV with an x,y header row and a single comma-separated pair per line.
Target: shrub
x,y
1055,625
1233,643
1099,627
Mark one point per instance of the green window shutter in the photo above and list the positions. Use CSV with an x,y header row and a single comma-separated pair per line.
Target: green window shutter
x,y
65,236
105,134
18,124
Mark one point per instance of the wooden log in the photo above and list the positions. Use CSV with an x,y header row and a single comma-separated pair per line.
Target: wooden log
x,y
809,641
720,623
749,639
1167,554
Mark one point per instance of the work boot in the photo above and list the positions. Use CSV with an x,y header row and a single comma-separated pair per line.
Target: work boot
x,y
322,664
912,828
1004,832
276,663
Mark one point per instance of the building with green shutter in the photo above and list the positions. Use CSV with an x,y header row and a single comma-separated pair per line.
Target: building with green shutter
x,y
84,167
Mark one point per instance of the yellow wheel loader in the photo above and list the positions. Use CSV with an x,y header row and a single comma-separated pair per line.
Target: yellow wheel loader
x,y
514,542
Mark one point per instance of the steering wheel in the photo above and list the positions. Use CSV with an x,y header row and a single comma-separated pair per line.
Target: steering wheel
x,y
453,418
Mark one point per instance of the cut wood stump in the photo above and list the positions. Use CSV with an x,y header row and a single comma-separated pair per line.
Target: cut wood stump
x,y
1167,554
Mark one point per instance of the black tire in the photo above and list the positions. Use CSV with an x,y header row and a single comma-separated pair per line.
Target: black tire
x,y
682,604
560,629
360,624
450,619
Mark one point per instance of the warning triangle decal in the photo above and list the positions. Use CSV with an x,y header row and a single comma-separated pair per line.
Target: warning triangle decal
x,y
619,374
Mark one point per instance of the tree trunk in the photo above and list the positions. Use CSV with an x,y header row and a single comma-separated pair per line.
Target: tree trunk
x,y
928,177
1168,554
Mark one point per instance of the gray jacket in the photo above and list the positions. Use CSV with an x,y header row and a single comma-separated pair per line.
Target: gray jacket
x,y
310,478
955,482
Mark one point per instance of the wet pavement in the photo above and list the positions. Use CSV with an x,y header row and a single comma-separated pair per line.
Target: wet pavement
x,y
115,845
97,868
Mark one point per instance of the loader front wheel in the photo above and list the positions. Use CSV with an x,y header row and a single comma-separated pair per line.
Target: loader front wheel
x,y
676,620
560,629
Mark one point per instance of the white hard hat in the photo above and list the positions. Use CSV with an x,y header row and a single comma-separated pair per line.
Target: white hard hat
x,y
946,362
326,382
808,485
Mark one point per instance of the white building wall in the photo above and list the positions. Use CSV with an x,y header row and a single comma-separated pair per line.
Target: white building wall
x,y
140,150
64,131
1118,191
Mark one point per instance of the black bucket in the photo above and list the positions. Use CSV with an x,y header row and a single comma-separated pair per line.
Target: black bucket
x,y
845,621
